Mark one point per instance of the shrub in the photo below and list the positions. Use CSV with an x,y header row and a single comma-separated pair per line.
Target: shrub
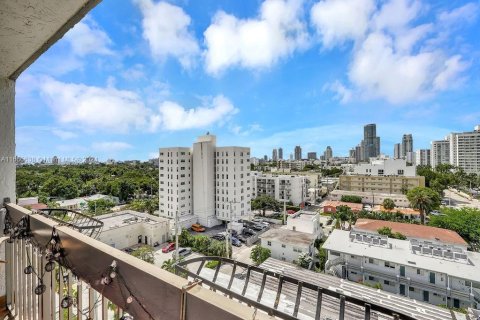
x,y
211,264
352,199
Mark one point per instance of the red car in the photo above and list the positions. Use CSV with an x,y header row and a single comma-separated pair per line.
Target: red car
x,y
169,247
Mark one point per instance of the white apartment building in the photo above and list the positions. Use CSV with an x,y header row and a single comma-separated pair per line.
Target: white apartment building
x,y
205,184
465,150
282,187
431,271
126,228
175,182
422,157
287,245
233,183
439,152
306,222
385,167
400,200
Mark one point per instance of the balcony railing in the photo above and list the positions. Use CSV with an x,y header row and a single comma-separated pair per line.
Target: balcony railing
x,y
56,272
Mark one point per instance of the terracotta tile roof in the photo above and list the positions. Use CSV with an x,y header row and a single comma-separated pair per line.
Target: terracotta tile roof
x,y
353,206
36,206
412,230
395,210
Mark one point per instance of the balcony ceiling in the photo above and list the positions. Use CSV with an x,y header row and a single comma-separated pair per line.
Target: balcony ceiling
x,y
29,27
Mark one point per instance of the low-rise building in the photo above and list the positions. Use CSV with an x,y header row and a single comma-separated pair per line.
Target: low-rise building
x,y
330,206
82,203
305,221
282,187
380,184
434,271
287,245
372,198
127,228
385,167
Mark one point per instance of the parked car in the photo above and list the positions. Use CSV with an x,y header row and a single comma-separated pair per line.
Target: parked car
x,y
234,233
236,242
218,236
156,244
248,231
169,247
128,250
241,238
258,227
182,252
257,220
197,227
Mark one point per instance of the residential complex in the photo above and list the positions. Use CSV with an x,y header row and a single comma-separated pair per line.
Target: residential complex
x,y
312,156
439,152
432,265
393,176
422,157
205,184
282,187
458,149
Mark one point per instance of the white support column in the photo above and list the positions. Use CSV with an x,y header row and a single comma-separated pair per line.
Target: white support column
x,y
7,139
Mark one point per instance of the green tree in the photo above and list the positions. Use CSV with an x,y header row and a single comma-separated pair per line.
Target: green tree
x,y
265,202
149,205
423,199
464,221
99,206
259,254
388,204
304,260
169,265
145,253
352,199
343,214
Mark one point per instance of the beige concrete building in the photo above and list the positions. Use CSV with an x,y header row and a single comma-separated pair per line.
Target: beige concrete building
x,y
380,184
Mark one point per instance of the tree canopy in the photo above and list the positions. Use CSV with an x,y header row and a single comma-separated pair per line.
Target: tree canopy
x,y
144,253
424,199
465,221
265,202
259,254
126,181
388,204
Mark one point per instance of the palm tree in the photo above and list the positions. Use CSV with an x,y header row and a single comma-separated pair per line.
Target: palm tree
x,y
423,199
169,265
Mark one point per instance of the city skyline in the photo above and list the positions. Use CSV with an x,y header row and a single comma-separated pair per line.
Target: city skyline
x,y
137,93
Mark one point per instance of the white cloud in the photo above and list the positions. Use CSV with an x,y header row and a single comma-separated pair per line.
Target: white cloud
x,y
339,20
240,131
111,146
166,28
109,109
86,37
466,13
94,108
172,116
342,93
134,73
276,33
64,134
394,57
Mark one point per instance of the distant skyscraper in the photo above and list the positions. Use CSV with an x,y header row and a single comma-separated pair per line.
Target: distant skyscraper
x,y
298,153
370,143
397,151
265,157
358,153
55,160
465,150
351,156
312,156
328,154
407,147
291,156
280,154
274,155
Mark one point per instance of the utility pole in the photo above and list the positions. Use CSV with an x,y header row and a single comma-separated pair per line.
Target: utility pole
x,y
284,210
176,236
227,236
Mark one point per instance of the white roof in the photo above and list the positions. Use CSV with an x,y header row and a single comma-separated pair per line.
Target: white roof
x,y
401,253
128,217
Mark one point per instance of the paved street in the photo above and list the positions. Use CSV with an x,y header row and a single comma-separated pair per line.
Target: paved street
x,y
457,200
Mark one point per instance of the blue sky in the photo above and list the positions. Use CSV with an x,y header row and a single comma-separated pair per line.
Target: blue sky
x,y
134,76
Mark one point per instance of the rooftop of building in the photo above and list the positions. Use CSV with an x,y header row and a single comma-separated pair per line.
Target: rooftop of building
x,y
415,231
288,236
71,202
369,194
128,217
334,203
401,253
409,211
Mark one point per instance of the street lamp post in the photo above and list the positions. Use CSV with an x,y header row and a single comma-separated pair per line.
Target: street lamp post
x,y
227,235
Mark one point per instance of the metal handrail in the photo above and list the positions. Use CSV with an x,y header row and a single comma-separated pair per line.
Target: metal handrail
x,y
368,306
81,222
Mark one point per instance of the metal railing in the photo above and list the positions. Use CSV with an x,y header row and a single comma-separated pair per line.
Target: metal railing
x,y
282,281
54,272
